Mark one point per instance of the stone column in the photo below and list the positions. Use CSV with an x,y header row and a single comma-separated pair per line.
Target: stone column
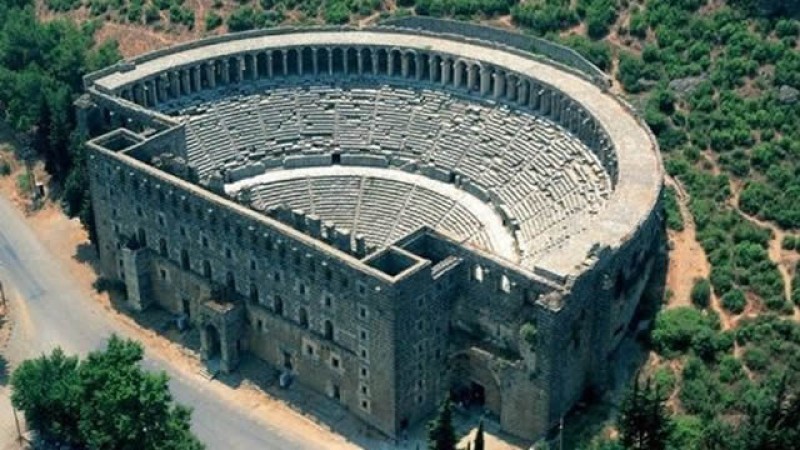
x,y
314,63
226,71
472,71
240,69
174,84
499,84
511,87
404,65
211,74
300,62
522,92
419,67
197,79
184,87
269,64
138,93
459,74
161,88
360,62
389,63
536,96
345,60
150,86
330,61
285,63
446,63
374,58
486,80
544,103
252,67
433,66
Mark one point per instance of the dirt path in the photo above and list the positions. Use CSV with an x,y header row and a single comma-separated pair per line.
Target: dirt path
x,y
688,261
785,260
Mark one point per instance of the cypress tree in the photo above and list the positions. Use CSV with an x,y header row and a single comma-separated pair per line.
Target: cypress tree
x,y
479,436
441,435
643,422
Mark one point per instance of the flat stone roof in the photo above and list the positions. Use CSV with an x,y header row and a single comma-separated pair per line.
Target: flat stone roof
x,y
639,165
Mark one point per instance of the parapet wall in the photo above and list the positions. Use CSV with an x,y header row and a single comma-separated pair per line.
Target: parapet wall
x,y
556,52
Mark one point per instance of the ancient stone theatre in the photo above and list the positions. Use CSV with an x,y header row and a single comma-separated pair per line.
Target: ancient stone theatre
x,y
389,214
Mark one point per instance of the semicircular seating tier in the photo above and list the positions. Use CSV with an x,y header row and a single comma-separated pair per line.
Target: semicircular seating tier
x,y
541,172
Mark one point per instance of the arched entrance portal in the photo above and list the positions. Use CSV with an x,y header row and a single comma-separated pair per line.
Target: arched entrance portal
x,y
473,383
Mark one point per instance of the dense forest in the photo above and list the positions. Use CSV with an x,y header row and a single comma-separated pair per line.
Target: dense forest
x,y
717,81
41,70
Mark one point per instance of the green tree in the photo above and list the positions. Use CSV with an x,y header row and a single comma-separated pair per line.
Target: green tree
x,y
643,422
701,292
48,390
106,401
441,434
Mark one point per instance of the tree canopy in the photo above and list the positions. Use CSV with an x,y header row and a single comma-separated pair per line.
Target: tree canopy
x,y
106,401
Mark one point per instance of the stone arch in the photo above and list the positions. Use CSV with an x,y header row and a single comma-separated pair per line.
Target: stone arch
x,y
234,70
338,60
327,330
323,61
366,58
474,381
207,269
276,62
351,62
307,58
277,305
292,62
394,63
382,56
411,57
261,65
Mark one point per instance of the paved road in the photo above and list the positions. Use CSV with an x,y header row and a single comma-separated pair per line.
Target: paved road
x,y
53,311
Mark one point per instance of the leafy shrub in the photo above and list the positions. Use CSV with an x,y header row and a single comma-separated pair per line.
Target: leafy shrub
x,y
545,16
755,358
674,217
598,53
730,369
212,20
701,292
734,301
675,328
63,5
242,18
337,13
